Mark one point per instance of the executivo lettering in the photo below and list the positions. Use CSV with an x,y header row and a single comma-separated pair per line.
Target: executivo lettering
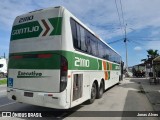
x,y
32,74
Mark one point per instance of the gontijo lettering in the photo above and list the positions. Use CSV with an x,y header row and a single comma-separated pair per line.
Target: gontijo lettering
x,y
25,30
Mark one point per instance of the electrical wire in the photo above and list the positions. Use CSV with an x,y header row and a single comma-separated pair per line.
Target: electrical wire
x,y
122,13
144,39
135,42
115,41
118,16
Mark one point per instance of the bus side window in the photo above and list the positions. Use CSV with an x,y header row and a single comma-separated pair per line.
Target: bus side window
x,y
74,33
83,39
88,44
78,36
94,46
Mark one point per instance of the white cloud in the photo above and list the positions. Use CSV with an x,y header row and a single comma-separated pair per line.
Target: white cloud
x,y
138,48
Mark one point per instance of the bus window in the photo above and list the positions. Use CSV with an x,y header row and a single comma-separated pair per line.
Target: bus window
x,y
94,46
78,36
74,33
83,45
88,44
1,65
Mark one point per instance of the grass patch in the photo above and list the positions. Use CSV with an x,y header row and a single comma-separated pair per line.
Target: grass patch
x,y
4,81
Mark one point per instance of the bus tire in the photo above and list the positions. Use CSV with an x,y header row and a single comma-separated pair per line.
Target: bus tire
x,y
100,90
93,93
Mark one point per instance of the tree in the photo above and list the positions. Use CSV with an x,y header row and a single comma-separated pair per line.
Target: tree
x,y
143,60
152,53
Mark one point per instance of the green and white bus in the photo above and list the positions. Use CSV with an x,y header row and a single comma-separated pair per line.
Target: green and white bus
x,y
56,61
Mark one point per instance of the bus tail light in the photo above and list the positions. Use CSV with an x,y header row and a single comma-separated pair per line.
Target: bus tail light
x,y
63,73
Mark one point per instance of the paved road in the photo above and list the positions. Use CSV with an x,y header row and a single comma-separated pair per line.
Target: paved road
x,y
123,97
3,90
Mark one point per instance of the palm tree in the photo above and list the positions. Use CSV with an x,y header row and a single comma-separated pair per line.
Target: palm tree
x,y
152,53
143,60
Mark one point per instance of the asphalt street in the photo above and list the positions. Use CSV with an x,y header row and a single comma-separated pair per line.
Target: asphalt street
x,y
123,97
3,90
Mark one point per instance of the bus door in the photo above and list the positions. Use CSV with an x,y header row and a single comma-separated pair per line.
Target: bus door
x,y
77,86
80,88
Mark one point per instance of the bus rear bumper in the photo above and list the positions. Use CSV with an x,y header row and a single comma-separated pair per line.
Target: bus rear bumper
x,y
51,100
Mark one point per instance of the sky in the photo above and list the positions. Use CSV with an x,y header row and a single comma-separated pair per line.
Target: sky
x,y
107,18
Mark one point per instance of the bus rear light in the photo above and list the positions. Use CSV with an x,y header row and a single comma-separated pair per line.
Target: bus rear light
x,y
17,57
44,55
63,73
64,68
32,56
50,94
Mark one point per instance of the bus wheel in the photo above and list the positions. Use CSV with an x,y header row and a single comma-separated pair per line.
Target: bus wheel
x,y
101,90
93,94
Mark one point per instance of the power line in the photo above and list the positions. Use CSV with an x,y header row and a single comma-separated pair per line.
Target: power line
x,y
115,41
125,32
135,42
131,40
122,13
148,40
118,15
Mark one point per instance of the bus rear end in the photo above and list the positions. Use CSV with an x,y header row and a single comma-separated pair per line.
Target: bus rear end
x,y
37,71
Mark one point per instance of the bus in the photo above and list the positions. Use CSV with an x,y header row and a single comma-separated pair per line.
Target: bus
x,y
56,61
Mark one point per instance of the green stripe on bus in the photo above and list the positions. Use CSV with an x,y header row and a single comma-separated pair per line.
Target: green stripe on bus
x,y
54,61
109,75
35,63
100,64
35,29
26,30
57,24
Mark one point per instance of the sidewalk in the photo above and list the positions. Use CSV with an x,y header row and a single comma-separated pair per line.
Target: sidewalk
x,y
152,92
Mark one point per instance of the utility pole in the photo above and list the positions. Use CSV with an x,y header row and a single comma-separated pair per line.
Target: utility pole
x,y
125,41
4,55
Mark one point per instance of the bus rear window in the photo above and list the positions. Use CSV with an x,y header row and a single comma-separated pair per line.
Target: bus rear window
x,y
1,65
